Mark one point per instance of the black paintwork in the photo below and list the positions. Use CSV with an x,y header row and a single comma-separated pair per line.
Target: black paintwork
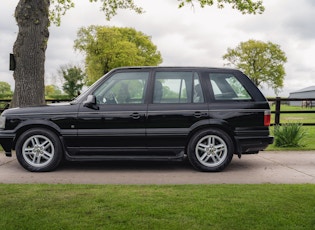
x,y
144,131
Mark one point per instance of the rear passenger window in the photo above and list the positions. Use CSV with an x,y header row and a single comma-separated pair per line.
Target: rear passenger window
x,y
177,87
228,87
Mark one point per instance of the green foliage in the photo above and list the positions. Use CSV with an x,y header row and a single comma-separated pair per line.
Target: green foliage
x,y
244,6
265,206
109,7
59,8
110,47
289,135
5,88
262,62
74,77
52,90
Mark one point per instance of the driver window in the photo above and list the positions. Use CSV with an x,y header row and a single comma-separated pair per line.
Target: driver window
x,y
123,88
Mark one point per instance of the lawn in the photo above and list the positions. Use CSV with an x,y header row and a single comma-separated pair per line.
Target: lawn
x,y
157,206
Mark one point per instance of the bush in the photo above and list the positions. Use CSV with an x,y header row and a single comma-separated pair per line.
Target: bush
x,y
289,135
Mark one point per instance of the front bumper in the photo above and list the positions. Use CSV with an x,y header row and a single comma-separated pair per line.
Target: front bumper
x,y
6,141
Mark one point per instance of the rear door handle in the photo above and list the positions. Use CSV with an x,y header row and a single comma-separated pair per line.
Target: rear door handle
x,y
135,116
199,114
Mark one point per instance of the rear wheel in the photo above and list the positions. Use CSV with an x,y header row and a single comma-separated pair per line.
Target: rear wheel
x,y
39,150
210,150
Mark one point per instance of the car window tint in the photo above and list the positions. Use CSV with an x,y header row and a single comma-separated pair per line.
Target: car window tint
x,y
123,88
228,87
177,87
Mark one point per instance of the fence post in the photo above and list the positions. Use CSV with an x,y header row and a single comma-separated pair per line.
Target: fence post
x,y
277,112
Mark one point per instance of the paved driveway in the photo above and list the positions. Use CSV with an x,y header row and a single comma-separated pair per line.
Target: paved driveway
x,y
266,167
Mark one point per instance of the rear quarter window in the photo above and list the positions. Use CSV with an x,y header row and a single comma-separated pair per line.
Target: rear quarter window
x,y
226,86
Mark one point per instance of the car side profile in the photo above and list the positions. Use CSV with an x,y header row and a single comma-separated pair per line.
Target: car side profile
x,y
145,113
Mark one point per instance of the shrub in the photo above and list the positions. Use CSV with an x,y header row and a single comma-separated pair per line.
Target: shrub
x,y
289,135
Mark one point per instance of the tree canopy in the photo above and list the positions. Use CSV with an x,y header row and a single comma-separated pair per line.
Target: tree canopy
x,y
52,90
110,47
74,78
262,62
110,8
244,6
5,88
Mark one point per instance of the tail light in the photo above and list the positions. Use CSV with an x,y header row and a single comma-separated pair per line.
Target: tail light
x,y
267,117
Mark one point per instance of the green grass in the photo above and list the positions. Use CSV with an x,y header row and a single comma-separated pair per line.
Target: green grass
x,y
157,206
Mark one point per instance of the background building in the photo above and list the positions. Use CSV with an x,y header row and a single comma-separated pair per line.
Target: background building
x,y
308,92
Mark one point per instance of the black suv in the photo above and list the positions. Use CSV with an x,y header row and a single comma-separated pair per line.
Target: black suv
x,y
145,113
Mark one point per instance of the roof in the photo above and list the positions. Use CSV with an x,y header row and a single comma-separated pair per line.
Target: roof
x,y
307,89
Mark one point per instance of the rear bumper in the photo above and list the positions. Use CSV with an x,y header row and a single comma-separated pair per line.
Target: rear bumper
x,y
250,145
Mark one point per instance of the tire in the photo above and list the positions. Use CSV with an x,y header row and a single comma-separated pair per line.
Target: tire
x,y
39,150
210,150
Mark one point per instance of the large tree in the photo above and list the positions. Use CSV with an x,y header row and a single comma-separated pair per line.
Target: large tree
x,y
263,62
110,47
33,19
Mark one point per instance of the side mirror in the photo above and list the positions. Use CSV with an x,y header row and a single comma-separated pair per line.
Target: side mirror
x,y
91,102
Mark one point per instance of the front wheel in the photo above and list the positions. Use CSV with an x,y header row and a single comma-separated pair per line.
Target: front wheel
x,y
210,150
39,150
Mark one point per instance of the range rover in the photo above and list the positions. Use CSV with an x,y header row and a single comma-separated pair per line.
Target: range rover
x,y
145,113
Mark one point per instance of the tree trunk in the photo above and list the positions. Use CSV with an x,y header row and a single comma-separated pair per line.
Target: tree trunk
x,y
29,49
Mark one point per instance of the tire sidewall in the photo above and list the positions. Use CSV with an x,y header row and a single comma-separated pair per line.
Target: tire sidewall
x,y
192,146
56,159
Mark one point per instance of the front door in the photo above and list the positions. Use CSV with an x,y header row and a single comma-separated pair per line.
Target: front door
x,y
117,124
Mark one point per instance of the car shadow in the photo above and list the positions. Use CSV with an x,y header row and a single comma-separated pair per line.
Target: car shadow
x,y
235,165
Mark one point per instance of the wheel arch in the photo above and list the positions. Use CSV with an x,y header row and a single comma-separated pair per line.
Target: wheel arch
x,y
212,124
36,124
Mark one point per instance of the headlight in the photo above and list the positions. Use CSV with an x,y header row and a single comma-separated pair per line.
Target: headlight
x,y
2,122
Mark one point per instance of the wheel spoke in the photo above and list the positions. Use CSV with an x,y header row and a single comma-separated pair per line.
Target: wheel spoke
x,y
202,147
29,150
202,158
46,144
34,158
46,155
207,158
220,147
33,141
37,141
215,158
211,140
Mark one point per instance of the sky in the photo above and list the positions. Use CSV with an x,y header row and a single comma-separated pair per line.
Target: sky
x,y
185,37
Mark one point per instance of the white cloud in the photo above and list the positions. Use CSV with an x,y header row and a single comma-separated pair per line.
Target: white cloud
x,y
185,36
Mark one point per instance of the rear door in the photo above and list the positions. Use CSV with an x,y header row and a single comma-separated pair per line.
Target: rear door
x,y
177,104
